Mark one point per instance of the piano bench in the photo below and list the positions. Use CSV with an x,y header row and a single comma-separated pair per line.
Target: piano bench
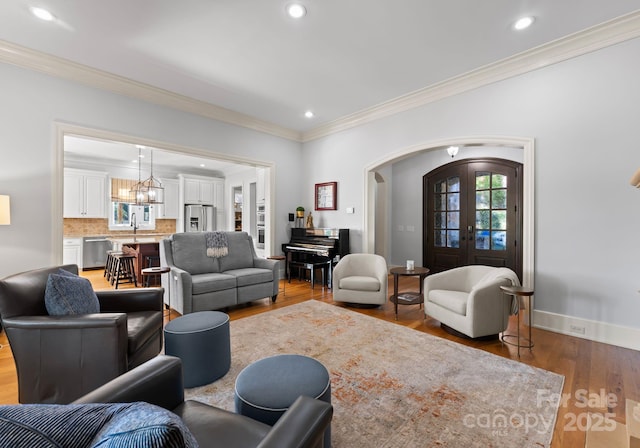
x,y
312,266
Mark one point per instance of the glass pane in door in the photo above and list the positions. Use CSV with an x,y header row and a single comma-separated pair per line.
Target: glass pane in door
x,y
491,211
446,205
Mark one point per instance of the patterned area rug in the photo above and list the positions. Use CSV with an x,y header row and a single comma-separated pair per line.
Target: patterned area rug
x,y
396,387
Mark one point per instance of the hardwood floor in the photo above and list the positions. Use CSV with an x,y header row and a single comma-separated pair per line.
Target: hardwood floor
x,y
588,367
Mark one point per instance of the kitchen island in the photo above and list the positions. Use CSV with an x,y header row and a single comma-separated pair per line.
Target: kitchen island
x,y
146,249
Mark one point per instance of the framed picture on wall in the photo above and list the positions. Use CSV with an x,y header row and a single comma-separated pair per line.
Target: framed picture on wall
x,y
326,195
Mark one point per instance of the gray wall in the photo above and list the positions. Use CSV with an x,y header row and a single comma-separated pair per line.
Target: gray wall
x,y
583,114
33,102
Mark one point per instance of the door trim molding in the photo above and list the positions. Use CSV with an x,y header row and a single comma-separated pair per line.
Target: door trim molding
x,y
527,144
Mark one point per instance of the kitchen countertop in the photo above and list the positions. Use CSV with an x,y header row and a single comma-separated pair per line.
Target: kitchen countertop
x,y
138,239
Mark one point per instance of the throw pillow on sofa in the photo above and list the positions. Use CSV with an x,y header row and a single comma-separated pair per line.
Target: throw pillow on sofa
x,y
92,425
67,294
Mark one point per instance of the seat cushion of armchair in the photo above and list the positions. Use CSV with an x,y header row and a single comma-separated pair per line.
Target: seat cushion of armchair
x,y
141,327
455,301
220,428
359,283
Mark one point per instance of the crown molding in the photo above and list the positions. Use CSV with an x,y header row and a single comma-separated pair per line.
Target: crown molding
x,y
595,38
66,69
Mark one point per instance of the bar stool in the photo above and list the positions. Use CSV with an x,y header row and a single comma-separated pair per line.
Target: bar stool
x,y
153,278
110,265
519,292
148,273
124,270
151,261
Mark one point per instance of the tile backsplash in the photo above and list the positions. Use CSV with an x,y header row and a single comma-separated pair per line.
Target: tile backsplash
x,y
93,226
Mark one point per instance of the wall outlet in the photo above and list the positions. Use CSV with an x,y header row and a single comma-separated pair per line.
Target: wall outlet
x,y
577,329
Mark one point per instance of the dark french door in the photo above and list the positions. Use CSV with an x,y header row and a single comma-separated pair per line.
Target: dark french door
x,y
473,215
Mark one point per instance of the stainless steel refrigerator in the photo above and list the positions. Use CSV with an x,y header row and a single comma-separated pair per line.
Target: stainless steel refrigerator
x,y
199,218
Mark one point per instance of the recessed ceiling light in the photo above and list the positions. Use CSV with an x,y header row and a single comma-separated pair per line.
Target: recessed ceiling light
x,y
42,14
308,114
202,165
296,10
522,23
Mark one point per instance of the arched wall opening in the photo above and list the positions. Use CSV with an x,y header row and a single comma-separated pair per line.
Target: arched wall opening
x,y
375,234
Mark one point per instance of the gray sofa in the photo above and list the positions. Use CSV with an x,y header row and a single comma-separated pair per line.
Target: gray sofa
x,y
202,283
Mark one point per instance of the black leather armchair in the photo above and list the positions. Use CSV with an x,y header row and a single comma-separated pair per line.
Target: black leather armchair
x,y
60,358
159,381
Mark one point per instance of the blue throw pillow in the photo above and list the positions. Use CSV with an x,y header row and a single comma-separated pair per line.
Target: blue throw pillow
x,y
67,294
92,425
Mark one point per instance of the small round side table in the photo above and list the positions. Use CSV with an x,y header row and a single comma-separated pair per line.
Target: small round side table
x,y
158,270
517,292
407,298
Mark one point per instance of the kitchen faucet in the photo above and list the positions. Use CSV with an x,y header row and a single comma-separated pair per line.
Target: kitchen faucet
x,y
134,223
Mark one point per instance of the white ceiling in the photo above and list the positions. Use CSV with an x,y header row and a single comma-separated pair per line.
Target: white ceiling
x,y
249,56
105,154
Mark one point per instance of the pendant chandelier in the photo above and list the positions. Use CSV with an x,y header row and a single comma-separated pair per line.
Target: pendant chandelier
x,y
149,191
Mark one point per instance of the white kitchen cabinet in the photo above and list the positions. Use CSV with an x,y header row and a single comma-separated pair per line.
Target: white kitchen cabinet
x,y
199,191
72,251
218,200
171,207
84,194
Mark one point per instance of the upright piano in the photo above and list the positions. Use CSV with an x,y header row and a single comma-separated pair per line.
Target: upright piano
x,y
316,245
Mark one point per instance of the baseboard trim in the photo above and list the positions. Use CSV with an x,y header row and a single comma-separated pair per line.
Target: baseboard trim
x,y
596,331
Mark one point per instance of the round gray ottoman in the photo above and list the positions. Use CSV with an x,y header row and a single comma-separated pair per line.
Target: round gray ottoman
x,y
265,389
201,341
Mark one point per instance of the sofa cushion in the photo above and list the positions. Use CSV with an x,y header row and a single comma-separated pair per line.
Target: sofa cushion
x,y
359,283
204,283
455,301
190,253
94,425
251,276
240,252
68,294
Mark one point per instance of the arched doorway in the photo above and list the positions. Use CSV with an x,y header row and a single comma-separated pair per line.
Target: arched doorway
x,y
524,144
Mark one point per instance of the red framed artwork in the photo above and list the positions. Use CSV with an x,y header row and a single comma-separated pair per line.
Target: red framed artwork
x,y
326,196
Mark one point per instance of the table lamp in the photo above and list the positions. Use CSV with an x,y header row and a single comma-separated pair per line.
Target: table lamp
x,y
5,210
635,179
